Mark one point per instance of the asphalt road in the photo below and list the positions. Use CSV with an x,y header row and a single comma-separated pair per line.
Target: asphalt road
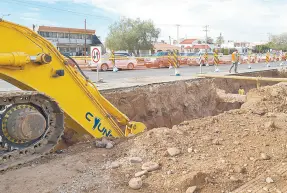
x,y
113,79
184,70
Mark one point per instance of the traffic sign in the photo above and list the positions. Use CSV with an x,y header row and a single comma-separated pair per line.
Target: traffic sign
x,y
96,54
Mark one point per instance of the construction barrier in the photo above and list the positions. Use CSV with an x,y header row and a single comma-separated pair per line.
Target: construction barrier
x,y
249,60
197,60
256,58
170,60
205,58
112,58
267,59
176,62
216,61
274,57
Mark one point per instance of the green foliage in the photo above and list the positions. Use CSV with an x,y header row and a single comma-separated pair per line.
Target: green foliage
x,y
219,39
262,48
209,40
225,52
278,42
132,35
232,50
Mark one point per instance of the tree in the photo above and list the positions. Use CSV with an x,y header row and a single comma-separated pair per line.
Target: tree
x,y
132,35
209,40
220,40
277,42
262,48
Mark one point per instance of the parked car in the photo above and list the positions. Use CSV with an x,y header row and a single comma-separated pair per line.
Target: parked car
x,y
122,54
122,62
159,60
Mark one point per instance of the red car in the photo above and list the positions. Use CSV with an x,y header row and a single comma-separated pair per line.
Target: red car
x,y
159,60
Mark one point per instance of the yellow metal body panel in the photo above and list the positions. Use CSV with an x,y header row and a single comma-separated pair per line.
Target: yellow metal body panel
x,y
85,108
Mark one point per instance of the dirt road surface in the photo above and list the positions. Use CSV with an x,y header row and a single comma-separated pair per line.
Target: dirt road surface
x,y
215,154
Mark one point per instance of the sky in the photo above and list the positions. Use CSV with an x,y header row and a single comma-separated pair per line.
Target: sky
x,y
238,20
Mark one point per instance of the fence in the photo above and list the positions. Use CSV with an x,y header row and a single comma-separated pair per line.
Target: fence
x,y
190,60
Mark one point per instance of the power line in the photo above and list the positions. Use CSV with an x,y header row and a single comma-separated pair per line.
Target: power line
x,y
181,25
29,4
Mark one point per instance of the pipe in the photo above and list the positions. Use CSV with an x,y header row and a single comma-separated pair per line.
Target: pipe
x,y
14,59
245,78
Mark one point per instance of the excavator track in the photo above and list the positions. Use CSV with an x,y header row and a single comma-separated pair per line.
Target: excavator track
x,y
28,110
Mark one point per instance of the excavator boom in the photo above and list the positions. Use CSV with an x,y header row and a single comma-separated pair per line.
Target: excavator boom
x,y
32,63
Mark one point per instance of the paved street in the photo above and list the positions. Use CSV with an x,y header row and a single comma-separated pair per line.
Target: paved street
x,y
128,78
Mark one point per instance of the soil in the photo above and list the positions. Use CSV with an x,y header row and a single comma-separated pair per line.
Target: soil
x,y
217,154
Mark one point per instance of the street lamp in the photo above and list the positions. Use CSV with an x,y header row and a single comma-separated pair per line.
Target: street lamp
x,y
3,15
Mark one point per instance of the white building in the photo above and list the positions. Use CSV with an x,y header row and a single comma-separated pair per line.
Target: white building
x,y
69,40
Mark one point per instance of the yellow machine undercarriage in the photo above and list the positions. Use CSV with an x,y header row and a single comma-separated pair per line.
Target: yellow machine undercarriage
x,y
55,95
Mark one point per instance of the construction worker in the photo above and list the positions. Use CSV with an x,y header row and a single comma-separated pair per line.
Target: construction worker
x,y
241,91
234,60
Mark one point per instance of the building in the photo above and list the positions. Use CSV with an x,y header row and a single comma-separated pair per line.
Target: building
x,y
158,47
195,45
70,40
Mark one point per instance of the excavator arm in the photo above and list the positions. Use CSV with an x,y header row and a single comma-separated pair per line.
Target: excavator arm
x,y
32,63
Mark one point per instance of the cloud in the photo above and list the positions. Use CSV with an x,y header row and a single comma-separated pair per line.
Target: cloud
x,y
29,21
236,19
34,9
242,20
30,14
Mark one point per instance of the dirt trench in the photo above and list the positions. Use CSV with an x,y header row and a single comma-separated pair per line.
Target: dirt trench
x,y
168,104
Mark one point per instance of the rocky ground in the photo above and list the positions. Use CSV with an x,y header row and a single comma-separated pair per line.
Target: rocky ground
x,y
212,154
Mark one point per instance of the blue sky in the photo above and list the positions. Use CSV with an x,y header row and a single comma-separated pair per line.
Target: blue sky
x,y
40,13
240,20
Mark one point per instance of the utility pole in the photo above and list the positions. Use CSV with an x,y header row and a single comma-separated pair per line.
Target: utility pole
x,y
206,37
269,36
220,39
85,39
169,40
177,26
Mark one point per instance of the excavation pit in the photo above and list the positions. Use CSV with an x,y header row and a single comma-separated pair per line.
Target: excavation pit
x,y
168,104
215,154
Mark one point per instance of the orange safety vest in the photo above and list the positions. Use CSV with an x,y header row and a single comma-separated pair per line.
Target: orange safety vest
x,y
234,57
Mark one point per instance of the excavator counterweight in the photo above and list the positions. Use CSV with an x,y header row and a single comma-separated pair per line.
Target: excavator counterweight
x,y
54,96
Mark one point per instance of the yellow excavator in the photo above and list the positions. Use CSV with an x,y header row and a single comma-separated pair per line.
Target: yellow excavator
x,y
54,96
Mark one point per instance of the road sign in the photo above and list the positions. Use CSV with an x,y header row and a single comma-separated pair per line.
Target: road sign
x,y
96,54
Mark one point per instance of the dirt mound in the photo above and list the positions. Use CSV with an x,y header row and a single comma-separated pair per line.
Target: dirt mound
x,y
229,149
215,154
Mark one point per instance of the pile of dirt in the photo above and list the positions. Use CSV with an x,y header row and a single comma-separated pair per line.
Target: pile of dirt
x,y
228,150
212,154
